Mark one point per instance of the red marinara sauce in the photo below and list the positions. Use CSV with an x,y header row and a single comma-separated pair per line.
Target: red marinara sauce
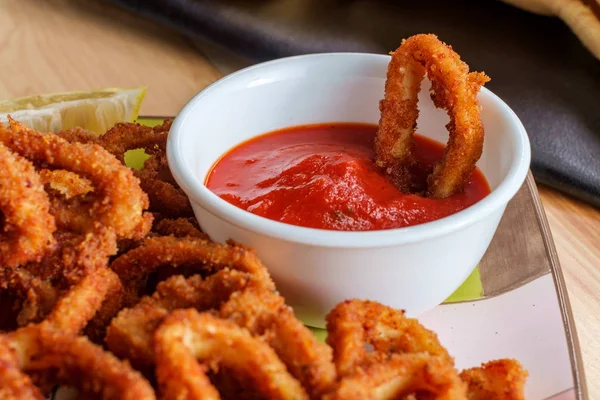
x,y
323,176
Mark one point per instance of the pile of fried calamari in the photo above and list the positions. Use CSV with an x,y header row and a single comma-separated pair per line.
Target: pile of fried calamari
x,y
108,286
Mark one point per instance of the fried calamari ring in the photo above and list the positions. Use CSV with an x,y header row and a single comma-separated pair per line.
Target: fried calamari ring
x,y
26,225
120,200
402,375
198,254
165,195
81,243
354,323
155,176
496,380
188,343
71,359
156,179
130,333
265,314
127,136
454,89
71,213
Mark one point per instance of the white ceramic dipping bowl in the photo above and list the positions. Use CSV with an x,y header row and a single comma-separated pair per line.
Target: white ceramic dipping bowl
x,y
413,268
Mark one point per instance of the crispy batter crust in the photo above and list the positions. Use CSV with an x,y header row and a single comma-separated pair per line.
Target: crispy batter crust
x,y
27,226
67,183
496,380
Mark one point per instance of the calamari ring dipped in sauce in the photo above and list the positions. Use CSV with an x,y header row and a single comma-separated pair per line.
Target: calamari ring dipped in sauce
x,y
453,88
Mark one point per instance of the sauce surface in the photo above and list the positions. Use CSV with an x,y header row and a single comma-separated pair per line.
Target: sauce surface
x,y
323,176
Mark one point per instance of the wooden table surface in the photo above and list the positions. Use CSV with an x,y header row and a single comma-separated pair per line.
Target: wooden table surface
x,y
61,45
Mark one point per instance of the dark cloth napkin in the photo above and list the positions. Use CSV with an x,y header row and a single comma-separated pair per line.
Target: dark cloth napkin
x,y
538,66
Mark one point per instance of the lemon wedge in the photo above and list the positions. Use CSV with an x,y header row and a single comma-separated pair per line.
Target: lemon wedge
x,y
95,110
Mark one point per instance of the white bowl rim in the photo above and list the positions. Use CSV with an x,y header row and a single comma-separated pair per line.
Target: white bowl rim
x,y
200,194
